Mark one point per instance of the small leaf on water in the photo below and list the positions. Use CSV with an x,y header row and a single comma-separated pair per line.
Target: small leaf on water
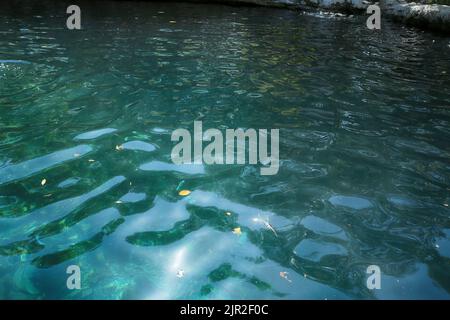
x,y
445,204
91,160
76,155
43,182
172,21
284,275
119,148
228,213
184,193
237,231
119,202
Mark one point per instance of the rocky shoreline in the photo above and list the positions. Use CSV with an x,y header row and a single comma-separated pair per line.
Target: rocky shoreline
x,y
425,16
434,16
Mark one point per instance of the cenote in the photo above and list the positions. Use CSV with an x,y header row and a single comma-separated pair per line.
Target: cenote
x,y
86,176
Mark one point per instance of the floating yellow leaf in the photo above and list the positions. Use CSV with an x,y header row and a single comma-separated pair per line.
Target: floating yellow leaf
x,y
184,193
237,231
43,182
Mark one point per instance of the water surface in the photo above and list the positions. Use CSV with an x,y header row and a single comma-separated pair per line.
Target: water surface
x,y
364,176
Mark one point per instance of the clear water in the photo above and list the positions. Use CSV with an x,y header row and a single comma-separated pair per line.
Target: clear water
x,y
364,122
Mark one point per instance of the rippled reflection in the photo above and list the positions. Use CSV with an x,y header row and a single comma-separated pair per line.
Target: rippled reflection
x,y
86,176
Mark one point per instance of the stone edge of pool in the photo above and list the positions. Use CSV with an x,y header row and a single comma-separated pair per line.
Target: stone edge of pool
x,y
425,16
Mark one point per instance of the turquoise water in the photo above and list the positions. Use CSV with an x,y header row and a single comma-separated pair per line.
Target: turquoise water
x,y
86,177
